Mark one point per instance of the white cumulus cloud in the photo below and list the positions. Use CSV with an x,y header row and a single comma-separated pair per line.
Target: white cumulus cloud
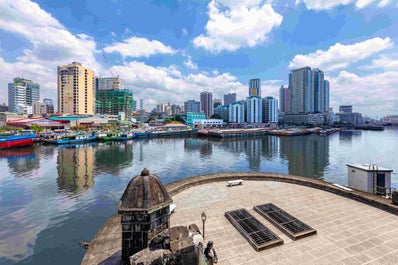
x,y
339,56
139,47
161,84
374,92
236,24
386,62
51,45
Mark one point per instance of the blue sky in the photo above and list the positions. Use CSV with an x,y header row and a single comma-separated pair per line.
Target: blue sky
x,y
170,51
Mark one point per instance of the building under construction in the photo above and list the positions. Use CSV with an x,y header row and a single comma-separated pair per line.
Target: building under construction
x,y
115,101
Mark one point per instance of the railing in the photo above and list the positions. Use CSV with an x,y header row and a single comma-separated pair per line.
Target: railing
x,y
384,190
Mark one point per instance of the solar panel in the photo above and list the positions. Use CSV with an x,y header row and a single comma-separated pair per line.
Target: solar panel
x,y
291,226
258,235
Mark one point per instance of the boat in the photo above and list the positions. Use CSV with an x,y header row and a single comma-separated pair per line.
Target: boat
x,y
123,136
78,139
21,138
142,134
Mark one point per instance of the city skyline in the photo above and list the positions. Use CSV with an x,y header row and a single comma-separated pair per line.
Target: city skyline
x,y
215,46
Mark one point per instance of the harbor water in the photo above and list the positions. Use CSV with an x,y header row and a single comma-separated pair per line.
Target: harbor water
x,y
53,197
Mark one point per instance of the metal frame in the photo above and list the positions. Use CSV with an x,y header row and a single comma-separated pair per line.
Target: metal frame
x,y
258,235
288,224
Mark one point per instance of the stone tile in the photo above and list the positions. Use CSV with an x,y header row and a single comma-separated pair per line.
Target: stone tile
x,y
348,232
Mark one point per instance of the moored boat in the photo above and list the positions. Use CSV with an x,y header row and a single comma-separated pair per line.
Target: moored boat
x,y
21,138
73,140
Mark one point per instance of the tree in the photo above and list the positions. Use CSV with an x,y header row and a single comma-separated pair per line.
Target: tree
x,y
179,118
37,127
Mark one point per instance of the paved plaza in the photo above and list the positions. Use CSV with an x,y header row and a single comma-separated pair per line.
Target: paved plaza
x,y
348,232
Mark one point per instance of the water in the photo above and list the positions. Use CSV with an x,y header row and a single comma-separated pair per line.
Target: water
x,y
51,198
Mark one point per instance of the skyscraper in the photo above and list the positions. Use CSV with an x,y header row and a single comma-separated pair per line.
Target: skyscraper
x,y
327,97
308,92
284,99
206,103
254,87
270,109
191,106
75,89
319,90
229,98
22,92
254,109
301,92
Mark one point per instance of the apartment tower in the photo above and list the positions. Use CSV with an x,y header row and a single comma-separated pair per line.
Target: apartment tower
x,y
206,103
75,89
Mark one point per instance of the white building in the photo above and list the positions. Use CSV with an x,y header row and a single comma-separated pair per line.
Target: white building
x,y
270,110
208,122
369,178
237,112
254,109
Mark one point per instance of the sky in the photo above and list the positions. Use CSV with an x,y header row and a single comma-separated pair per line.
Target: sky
x,y
170,51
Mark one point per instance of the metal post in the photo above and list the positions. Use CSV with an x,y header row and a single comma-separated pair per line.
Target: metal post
x,y
203,220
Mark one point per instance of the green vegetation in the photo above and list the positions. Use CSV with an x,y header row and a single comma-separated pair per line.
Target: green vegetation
x,y
37,127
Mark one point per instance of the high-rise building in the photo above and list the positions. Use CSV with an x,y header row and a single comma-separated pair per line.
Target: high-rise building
x,y
301,92
284,99
206,103
22,92
254,109
308,92
237,112
223,112
254,87
327,97
270,110
191,106
229,98
75,89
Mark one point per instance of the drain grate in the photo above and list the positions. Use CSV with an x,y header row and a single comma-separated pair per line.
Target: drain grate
x,y
259,236
285,222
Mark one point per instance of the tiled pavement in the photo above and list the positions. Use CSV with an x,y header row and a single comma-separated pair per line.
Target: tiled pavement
x,y
348,232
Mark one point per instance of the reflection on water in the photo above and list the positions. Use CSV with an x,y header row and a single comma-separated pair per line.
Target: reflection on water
x,y
307,155
66,193
347,135
113,157
21,160
75,167
203,146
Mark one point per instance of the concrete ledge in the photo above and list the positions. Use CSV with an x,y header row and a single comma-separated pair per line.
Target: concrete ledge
x,y
370,199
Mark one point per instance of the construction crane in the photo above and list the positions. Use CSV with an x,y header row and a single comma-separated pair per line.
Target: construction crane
x,y
116,81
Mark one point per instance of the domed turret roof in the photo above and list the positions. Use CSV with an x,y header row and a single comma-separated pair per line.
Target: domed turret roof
x,y
144,193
